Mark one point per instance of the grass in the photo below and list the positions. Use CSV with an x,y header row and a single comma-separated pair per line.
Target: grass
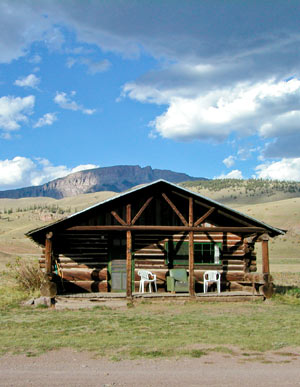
x,y
149,330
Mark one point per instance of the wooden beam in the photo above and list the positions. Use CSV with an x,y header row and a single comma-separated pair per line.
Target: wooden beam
x,y
128,214
128,264
48,253
128,254
118,219
265,257
238,230
175,209
191,264
142,209
191,212
191,249
205,216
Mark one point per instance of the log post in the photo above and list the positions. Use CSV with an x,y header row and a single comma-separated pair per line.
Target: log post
x,y
128,254
265,254
191,249
48,253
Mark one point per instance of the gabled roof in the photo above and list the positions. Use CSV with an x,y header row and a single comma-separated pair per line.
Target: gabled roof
x,y
273,231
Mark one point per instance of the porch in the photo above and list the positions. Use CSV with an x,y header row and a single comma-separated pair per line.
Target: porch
x,y
121,299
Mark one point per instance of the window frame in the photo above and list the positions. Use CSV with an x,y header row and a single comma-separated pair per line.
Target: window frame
x,y
184,262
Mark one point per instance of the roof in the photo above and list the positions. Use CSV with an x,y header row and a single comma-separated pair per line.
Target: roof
x,y
60,223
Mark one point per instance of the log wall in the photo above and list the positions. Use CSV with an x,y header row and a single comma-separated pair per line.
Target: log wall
x,y
83,258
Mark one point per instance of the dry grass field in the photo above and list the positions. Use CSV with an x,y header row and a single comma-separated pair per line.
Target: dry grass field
x,y
18,216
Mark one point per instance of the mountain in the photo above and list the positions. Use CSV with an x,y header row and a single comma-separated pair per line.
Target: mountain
x,y
117,178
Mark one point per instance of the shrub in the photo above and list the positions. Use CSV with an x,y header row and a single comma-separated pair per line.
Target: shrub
x,y
27,273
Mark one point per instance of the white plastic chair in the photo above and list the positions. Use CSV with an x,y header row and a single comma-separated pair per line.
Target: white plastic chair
x,y
211,276
148,277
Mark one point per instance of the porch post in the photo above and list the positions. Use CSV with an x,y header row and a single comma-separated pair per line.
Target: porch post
x,y
191,249
48,253
128,254
265,254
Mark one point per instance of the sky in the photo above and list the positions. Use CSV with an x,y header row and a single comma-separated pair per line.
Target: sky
x,y
208,88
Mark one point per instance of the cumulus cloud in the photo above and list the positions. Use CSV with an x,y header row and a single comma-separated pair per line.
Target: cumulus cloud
x,y
15,111
234,174
285,169
47,119
229,161
22,171
30,81
247,109
66,102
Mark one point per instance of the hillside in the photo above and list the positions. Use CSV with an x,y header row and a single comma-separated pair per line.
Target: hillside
x,y
239,192
118,178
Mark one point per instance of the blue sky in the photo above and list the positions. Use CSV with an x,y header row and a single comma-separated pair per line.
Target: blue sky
x,y
209,88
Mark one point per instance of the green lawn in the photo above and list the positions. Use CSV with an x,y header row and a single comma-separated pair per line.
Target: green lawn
x,y
150,329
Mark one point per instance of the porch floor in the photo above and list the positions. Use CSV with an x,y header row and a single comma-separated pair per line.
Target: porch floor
x,y
210,296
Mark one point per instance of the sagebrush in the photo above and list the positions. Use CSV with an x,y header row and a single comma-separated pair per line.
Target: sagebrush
x,y
27,274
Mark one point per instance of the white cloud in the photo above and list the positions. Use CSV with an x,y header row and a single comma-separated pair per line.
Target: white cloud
x,y
35,59
234,174
30,81
14,111
93,67
285,169
244,108
47,119
229,161
84,167
14,171
65,102
21,172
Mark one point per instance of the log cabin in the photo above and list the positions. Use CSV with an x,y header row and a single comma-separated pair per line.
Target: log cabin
x,y
158,227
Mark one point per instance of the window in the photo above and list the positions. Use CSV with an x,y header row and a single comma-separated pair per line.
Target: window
x,y
207,253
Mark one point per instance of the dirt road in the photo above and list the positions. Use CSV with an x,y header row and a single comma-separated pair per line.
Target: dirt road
x,y
70,368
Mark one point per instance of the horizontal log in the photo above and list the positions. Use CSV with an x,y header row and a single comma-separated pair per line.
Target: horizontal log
x,y
84,286
147,254
175,234
232,262
84,274
149,261
253,268
149,267
240,230
72,265
82,261
87,257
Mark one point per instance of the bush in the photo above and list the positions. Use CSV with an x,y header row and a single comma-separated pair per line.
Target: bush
x,y
27,273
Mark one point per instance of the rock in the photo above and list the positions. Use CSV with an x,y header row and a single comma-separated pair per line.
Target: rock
x,y
46,301
29,302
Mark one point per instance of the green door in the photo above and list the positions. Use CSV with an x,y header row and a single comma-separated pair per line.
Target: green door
x,y
118,275
117,265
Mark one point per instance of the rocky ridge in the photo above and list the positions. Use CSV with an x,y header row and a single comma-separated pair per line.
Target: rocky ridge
x,y
117,178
